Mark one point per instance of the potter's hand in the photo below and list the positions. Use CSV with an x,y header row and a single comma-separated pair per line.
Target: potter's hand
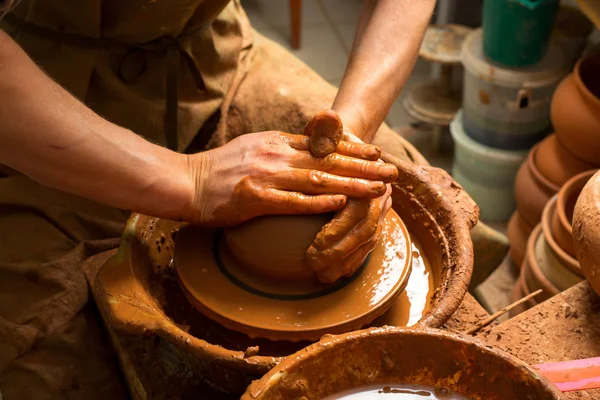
x,y
343,244
270,173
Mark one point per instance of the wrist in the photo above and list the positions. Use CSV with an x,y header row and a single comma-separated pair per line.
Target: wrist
x,y
354,121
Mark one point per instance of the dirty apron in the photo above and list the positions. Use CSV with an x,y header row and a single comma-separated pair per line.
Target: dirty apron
x,y
124,59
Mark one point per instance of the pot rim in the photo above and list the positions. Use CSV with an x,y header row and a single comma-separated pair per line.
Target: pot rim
x,y
565,191
328,342
586,93
562,255
544,182
535,269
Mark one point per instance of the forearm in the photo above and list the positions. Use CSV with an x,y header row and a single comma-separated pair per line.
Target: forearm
x,y
56,140
383,55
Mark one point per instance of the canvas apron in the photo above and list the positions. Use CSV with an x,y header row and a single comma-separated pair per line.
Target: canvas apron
x,y
183,73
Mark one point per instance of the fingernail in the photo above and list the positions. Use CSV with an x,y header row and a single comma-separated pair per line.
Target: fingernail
x,y
338,199
387,171
377,187
371,152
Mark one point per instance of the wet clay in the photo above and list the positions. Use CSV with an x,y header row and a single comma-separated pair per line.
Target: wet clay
x,y
325,131
378,356
395,391
259,306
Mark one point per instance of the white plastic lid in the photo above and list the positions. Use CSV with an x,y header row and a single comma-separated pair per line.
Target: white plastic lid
x,y
551,69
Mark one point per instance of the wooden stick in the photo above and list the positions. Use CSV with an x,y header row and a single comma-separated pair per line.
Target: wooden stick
x,y
503,311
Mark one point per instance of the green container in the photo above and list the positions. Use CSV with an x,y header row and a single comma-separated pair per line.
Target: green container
x,y
516,33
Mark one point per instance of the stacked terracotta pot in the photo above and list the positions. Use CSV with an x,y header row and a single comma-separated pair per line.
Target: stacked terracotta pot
x,y
572,149
550,261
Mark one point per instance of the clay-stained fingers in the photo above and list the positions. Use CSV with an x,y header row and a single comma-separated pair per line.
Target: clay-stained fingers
x,y
325,130
319,182
348,266
342,223
351,149
281,202
338,164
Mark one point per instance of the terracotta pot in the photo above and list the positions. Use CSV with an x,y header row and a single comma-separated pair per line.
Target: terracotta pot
x,y
385,356
137,293
562,256
557,163
575,110
562,218
518,230
586,231
521,290
532,190
534,277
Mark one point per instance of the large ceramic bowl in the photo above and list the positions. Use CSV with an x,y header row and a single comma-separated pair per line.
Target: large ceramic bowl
x,y
557,163
393,356
586,231
575,110
562,218
138,295
533,275
532,189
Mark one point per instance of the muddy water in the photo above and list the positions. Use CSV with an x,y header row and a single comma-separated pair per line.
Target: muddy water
x,y
401,392
415,301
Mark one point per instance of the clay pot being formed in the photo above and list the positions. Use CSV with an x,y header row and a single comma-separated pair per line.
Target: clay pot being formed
x,y
557,163
384,356
562,256
562,218
586,231
518,230
533,274
138,295
575,110
532,190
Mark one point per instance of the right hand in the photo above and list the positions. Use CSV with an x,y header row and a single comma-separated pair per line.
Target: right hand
x,y
271,173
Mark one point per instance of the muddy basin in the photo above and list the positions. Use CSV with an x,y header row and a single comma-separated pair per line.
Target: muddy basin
x,y
137,292
428,357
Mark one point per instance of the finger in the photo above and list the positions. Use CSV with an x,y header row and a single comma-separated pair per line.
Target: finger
x,y
325,131
346,166
278,202
343,222
386,199
319,182
359,150
349,265
363,232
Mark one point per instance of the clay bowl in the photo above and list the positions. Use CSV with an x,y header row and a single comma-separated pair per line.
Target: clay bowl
x,y
562,230
390,356
534,277
557,163
521,290
138,295
562,256
532,190
518,230
575,110
586,231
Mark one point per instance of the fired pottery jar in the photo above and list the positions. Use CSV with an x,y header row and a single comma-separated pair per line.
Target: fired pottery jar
x,y
562,218
557,163
534,277
390,356
532,190
518,231
486,173
586,231
575,110
563,259
508,108
138,295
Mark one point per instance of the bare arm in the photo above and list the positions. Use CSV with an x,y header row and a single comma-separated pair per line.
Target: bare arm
x,y
383,55
56,140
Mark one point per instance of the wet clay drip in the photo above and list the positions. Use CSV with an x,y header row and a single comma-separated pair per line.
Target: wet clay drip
x,y
395,391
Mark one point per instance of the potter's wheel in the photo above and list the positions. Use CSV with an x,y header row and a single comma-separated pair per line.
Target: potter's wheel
x,y
239,299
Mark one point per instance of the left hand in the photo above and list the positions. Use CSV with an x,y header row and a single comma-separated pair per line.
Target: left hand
x,y
343,244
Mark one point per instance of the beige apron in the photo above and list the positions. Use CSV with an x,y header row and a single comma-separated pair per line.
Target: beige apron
x,y
125,58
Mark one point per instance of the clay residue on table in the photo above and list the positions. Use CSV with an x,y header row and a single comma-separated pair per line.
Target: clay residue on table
x,y
566,327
